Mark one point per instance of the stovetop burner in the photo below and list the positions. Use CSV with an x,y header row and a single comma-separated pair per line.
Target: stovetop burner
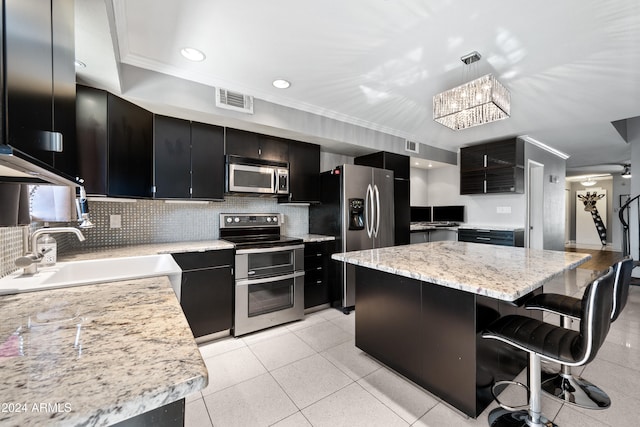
x,y
254,231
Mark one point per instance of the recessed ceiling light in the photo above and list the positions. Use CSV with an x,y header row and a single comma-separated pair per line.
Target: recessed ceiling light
x,y
430,165
192,54
281,83
80,64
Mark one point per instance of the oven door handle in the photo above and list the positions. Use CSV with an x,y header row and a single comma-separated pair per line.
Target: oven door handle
x,y
270,249
269,279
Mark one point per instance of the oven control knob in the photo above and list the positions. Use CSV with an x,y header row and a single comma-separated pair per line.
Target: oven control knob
x,y
275,219
229,219
268,219
236,219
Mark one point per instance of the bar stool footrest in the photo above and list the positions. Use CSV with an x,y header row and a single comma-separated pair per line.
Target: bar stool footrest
x,y
507,407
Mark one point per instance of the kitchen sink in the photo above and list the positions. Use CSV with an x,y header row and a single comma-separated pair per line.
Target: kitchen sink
x,y
76,273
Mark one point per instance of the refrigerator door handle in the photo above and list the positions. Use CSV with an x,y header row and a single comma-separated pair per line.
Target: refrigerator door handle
x,y
368,210
376,193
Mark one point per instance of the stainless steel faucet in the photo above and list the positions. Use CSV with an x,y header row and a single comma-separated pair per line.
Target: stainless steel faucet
x,y
29,262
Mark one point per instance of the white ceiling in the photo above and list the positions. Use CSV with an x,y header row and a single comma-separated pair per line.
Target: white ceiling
x,y
572,66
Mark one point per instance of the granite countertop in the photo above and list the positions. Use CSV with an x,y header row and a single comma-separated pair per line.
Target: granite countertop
x,y
501,272
429,226
310,238
148,249
95,354
491,227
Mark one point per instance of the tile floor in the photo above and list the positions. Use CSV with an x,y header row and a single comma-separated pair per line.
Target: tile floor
x,y
309,373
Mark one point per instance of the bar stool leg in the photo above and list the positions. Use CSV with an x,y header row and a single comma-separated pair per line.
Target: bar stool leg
x,y
526,418
573,389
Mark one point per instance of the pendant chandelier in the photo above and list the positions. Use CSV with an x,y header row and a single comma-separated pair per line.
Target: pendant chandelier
x,y
480,101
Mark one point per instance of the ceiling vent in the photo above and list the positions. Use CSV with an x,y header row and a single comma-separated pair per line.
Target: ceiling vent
x,y
235,101
411,146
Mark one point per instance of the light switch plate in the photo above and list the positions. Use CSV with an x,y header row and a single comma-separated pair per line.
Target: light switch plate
x,y
115,221
503,209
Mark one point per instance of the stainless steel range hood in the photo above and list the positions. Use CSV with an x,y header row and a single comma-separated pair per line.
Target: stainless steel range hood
x,y
18,167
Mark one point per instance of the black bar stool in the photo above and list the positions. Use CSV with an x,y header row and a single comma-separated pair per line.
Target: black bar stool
x,y
564,385
554,343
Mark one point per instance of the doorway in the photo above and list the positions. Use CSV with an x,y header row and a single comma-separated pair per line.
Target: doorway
x,y
535,205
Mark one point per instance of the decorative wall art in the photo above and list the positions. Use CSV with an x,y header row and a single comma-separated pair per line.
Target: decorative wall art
x,y
591,216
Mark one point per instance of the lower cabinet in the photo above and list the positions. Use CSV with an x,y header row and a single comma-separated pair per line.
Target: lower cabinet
x,y
492,237
316,273
206,294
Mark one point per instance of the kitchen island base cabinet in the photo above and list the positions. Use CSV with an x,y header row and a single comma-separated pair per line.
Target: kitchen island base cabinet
x,y
170,415
431,335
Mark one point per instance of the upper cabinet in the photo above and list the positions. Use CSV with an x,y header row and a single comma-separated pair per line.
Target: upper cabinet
x,y
398,163
40,90
188,159
304,173
256,146
495,167
115,145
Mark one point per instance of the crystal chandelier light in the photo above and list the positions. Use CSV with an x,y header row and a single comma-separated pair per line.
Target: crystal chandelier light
x,y
480,101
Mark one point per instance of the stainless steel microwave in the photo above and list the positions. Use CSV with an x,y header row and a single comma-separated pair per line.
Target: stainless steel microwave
x,y
244,175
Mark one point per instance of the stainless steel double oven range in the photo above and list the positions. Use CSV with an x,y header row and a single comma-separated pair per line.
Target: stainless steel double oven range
x,y
269,288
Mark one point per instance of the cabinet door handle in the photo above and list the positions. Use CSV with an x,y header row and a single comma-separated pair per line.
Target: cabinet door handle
x,y
318,282
318,254
318,268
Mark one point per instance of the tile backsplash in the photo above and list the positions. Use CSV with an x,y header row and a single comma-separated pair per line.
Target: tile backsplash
x,y
12,247
158,221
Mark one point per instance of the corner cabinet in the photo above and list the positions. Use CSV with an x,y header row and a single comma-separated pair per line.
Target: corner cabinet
x,y
304,173
206,292
188,159
115,146
495,167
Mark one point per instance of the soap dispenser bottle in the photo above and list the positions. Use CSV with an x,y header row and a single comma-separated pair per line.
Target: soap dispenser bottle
x,y
47,244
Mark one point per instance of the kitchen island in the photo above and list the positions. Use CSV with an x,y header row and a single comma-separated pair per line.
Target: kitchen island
x,y
97,355
420,310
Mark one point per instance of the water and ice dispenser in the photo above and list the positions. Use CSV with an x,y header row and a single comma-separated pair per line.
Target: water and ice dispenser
x,y
356,214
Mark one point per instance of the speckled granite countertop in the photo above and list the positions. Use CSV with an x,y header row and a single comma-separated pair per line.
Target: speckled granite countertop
x,y
425,226
310,238
167,248
132,352
149,249
501,272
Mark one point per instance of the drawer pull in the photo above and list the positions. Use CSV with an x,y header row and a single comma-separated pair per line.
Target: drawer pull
x,y
318,282
483,238
318,254
318,268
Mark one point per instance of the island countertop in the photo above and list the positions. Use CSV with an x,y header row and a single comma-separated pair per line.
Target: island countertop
x,y
501,272
95,354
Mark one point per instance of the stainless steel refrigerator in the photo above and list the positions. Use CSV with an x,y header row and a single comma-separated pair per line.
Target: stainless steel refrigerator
x,y
356,207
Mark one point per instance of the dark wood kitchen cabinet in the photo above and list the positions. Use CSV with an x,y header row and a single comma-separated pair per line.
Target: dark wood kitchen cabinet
x,y
115,145
304,173
38,57
399,164
492,237
495,167
256,146
206,292
188,159
317,258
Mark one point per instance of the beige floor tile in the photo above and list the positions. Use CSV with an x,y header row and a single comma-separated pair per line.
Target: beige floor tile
x,y
323,336
259,401
231,368
220,346
351,406
196,414
402,396
351,360
281,350
295,420
309,380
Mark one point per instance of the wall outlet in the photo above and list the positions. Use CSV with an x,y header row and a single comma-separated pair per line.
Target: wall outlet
x,y
115,221
503,209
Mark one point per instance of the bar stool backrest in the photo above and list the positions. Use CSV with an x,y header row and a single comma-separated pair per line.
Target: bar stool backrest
x,y
623,271
597,304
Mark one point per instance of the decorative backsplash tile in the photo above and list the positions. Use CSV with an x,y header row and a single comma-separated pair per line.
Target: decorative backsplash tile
x,y
157,221
11,244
